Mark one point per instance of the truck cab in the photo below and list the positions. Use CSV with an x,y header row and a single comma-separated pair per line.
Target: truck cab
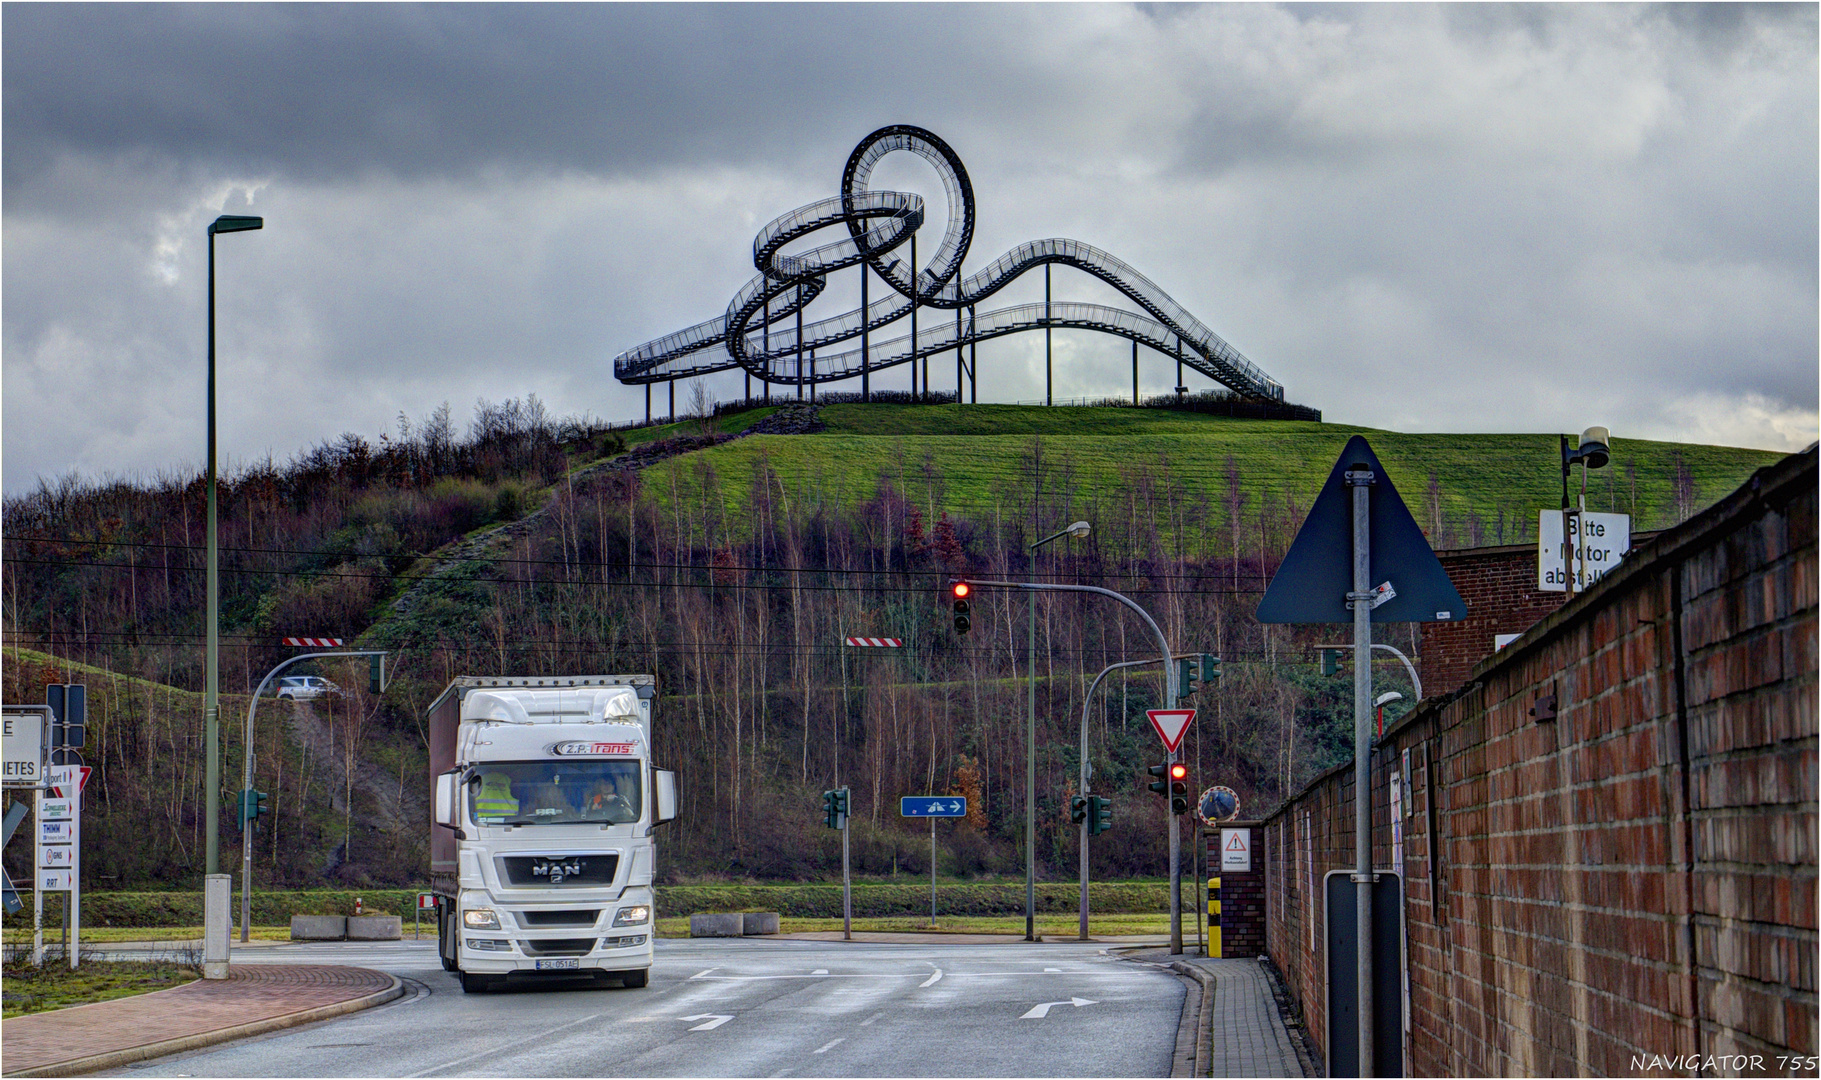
x,y
544,808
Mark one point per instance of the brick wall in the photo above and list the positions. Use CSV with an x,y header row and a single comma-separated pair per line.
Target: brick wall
x,y
1636,877
1242,896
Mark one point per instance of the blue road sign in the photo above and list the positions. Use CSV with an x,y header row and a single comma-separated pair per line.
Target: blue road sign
x,y
932,806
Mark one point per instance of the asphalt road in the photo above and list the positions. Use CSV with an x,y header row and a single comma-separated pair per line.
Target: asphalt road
x,y
742,1008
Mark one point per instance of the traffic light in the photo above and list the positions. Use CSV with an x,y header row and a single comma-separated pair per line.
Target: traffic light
x,y
1078,810
1185,676
834,808
1179,788
1330,661
1100,815
1160,785
252,805
1210,669
961,591
376,674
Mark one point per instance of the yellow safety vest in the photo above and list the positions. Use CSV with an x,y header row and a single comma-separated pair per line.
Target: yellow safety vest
x,y
495,797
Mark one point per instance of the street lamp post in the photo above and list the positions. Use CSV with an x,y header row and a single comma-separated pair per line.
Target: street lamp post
x,y
1078,529
211,705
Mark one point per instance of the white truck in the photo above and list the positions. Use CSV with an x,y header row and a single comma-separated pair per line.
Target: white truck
x,y
543,803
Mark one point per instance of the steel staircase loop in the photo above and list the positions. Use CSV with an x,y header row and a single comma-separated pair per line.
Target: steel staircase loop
x,y
759,330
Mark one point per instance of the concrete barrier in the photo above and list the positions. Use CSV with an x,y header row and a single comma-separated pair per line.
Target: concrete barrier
x,y
706,924
755,923
375,928
319,927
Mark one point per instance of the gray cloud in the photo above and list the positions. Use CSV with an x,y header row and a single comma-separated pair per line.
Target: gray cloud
x,y
1458,217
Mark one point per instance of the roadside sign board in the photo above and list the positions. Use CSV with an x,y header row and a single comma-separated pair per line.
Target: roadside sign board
x,y
55,832
1312,583
1171,724
56,810
1607,538
426,901
24,748
932,806
55,880
67,781
57,856
1236,851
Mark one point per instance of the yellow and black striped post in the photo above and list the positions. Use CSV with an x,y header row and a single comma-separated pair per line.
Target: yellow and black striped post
x,y
1214,918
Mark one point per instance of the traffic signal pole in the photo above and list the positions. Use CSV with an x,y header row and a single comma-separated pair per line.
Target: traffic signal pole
x,y
246,774
1170,695
1087,773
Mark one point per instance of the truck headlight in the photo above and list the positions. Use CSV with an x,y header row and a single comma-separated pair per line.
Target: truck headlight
x,y
481,919
633,916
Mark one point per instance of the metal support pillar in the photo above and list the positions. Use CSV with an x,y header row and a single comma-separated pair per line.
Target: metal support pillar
x,y
1134,371
799,352
1049,393
913,367
973,356
673,401
866,359
648,403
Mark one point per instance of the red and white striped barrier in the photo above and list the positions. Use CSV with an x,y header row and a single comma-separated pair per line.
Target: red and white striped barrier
x,y
877,642
315,642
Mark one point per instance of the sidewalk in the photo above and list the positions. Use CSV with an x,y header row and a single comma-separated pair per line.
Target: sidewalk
x,y
1240,1031
252,1000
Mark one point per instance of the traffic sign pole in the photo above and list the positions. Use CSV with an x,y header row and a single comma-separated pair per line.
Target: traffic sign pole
x,y
1360,599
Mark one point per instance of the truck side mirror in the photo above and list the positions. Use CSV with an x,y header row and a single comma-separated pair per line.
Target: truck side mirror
x,y
664,794
445,810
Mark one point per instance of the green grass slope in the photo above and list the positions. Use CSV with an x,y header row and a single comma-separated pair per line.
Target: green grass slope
x,y
975,461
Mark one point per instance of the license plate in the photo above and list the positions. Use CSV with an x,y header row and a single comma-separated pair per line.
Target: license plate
x,y
569,964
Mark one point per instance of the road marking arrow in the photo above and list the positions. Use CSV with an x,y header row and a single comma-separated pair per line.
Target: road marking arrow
x,y
1038,1012
714,1021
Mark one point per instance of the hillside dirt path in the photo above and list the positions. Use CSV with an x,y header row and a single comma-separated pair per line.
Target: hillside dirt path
x,y
792,418
397,806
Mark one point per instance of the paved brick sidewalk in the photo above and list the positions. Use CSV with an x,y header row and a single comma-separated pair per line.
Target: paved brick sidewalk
x,y
252,994
1249,1036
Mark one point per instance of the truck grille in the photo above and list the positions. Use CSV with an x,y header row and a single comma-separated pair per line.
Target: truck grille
x,y
558,946
561,871
584,917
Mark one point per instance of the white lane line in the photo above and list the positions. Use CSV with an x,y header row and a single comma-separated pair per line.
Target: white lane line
x,y
932,980
702,974
870,1019
830,1045
503,1047
819,971
715,1020
1054,971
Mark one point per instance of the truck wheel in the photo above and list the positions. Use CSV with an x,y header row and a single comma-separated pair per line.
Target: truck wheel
x,y
475,984
445,940
633,980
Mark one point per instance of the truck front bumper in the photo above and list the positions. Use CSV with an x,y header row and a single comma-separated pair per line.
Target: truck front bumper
x,y
491,954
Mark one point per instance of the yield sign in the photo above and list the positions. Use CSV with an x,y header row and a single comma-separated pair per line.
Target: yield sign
x,y
1170,725
73,779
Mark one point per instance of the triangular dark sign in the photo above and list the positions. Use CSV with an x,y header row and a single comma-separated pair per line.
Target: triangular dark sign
x,y
1312,584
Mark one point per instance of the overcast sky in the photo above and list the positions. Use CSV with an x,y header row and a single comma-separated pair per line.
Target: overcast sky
x,y
1456,218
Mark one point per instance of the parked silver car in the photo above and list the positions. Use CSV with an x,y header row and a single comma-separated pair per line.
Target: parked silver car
x,y
305,687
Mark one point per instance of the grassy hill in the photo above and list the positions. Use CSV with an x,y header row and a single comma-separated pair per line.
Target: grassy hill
x,y
974,460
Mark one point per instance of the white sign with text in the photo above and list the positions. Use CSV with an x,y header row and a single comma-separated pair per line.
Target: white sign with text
x,y
1596,543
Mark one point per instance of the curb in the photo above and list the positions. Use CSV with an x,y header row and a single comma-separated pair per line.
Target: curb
x,y
1195,1034
115,1058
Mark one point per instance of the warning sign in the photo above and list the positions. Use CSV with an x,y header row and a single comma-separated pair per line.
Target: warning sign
x,y
1236,851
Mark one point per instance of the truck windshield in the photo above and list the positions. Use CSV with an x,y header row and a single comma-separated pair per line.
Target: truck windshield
x,y
555,792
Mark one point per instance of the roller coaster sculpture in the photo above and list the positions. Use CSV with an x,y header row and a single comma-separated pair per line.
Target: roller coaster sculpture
x,y
763,331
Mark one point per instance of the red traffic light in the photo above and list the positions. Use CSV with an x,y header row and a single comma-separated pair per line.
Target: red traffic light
x,y
961,589
1179,771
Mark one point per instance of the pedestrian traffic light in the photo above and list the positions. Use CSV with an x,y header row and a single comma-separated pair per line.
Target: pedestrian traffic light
x,y
1160,785
1078,810
252,805
1330,661
1100,815
376,674
1186,670
1179,788
961,591
834,808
